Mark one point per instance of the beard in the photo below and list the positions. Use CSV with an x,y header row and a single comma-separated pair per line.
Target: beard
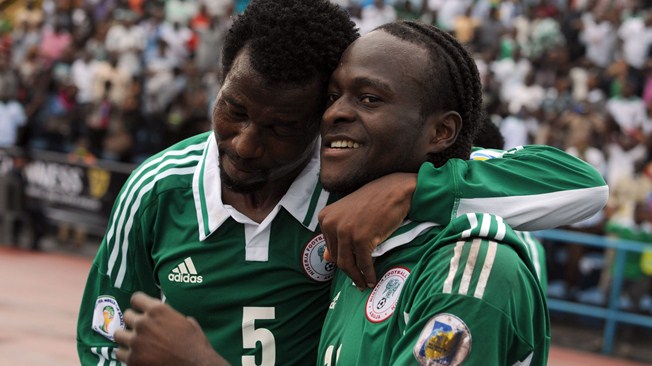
x,y
240,187
235,185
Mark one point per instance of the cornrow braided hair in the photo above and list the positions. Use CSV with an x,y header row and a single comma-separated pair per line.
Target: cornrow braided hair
x,y
291,42
454,83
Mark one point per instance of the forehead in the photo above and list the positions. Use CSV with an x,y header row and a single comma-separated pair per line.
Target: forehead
x,y
246,86
383,55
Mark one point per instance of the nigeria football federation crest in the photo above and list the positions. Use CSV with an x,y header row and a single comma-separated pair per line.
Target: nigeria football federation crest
x,y
313,261
382,300
445,340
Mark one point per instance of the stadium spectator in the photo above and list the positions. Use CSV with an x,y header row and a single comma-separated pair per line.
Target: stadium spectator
x,y
377,14
54,40
126,41
12,117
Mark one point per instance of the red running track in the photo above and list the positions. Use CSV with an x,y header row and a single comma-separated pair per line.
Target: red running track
x,y
39,300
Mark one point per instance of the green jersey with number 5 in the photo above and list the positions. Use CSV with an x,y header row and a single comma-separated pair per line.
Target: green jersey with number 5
x,y
258,290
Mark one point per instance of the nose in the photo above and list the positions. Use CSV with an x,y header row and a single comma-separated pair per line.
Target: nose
x,y
340,110
248,143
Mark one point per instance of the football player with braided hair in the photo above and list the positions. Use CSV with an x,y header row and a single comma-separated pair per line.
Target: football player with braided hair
x,y
465,293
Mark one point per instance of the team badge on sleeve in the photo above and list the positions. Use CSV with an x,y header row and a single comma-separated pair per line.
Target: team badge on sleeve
x,y
313,261
107,317
444,341
382,300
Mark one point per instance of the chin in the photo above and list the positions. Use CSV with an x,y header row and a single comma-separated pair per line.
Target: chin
x,y
238,186
341,186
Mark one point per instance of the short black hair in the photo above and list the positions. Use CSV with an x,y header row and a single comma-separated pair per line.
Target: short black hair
x,y
291,42
454,82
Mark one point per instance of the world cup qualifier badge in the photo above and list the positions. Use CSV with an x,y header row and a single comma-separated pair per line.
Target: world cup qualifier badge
x,y
382,300
107,317
313,261
444,341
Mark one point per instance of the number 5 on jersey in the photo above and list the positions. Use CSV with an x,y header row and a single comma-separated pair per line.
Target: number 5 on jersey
x,y
252,335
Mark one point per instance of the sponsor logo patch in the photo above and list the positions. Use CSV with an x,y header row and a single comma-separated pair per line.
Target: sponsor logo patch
x,y
313,260
107,316
444,341
382,300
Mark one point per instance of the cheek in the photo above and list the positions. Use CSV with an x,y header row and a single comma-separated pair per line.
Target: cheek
x,y
396,139
288,155
224,129
288,152
392,137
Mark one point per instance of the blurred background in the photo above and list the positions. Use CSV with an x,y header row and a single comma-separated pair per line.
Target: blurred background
x,y
91,88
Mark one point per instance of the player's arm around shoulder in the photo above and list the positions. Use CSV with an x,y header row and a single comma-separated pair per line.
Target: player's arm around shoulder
x,y
472,301
533,187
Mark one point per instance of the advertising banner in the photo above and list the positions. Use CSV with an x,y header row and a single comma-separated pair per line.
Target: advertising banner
x,y
68,190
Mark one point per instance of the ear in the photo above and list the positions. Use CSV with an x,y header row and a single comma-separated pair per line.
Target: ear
x,y
444,128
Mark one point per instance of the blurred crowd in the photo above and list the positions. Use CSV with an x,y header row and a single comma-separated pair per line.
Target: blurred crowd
x,y
110,79
122,79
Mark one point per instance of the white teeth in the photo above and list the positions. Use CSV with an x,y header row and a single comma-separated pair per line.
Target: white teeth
x,y
345,144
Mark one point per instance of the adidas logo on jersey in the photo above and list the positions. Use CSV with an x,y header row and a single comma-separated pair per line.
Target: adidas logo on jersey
x,y
185,272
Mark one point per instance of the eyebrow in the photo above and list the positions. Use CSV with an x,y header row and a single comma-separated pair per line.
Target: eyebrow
x,y
373,83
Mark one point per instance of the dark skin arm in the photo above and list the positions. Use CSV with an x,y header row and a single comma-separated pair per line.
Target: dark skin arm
x,y
355,225
156,334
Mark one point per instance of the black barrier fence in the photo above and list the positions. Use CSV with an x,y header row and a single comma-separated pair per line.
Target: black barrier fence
x,y
65,189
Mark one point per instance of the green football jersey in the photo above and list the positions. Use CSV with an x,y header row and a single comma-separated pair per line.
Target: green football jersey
x,y
467,293
259,291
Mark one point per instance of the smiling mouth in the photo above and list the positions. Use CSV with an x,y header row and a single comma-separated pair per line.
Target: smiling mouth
x,y
344,144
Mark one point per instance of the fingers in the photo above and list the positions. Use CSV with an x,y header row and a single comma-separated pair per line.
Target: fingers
x,y
327,256
349,255
123,337
346,262
194,322
122,354
331,243
143,302
365,265
130,317
341,250
357,265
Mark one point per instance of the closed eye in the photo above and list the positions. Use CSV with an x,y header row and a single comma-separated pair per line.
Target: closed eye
x,y
286,131
239,115
233,109
369,99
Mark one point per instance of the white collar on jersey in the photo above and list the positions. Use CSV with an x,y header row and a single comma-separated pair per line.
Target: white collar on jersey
x,y
211,211
408,231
